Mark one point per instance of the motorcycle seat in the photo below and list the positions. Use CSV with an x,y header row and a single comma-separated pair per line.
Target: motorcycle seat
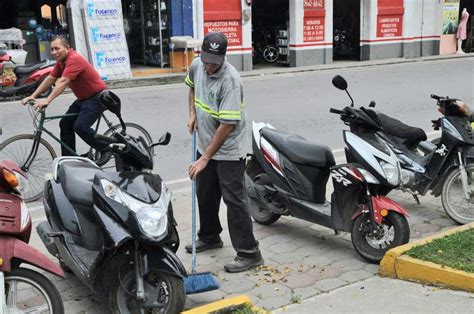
x,y
26,69
298,149
411,136
76,179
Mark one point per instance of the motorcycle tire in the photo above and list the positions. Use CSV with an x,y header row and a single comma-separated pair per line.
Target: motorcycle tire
x,y
370,252
122,296
259,214
452,188
41,283
270,54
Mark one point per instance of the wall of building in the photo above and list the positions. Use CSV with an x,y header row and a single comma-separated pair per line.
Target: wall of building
x,y
420,29
388,29
310,49
233,18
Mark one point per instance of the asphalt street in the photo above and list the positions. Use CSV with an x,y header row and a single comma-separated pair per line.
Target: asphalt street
x,y
296,103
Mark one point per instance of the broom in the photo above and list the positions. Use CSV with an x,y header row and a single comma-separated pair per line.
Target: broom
x,y
205,281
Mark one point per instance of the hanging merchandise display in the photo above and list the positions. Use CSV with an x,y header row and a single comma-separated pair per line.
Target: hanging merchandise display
x,y
105,36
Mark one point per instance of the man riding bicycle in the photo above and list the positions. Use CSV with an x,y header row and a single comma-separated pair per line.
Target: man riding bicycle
x,y
74,71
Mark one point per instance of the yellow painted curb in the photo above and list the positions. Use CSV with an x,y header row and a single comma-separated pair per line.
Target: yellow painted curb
x,y
396,265
219,305
413,269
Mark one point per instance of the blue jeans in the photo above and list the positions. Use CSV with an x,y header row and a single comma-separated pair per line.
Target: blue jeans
x,y
89,110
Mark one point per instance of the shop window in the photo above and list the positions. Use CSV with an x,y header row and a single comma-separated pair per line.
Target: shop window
x,y
46,12
61,14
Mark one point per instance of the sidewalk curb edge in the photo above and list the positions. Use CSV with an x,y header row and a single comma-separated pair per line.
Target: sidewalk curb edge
x,y
399,266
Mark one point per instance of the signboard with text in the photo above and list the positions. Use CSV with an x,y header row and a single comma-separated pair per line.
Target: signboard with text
x,y
390,18
225,17
106,37
314,20
389,26
231,29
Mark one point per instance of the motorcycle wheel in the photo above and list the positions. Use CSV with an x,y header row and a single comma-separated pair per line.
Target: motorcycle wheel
x,y
395,232
122,294
452,196
259,214
270,54
31,292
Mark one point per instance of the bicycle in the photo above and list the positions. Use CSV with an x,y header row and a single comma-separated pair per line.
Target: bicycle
x,y
35,155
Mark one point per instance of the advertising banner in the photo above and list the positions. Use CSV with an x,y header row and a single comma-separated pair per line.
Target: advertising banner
x,y
106,38
224,17
231,29
390,18
450,16
314,20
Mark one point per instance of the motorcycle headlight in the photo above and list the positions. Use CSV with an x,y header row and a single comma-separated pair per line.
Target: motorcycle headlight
x,y
391,173
152,218
368,176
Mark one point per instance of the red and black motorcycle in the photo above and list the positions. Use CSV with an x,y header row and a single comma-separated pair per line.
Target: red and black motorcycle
x,y
24,79
22,290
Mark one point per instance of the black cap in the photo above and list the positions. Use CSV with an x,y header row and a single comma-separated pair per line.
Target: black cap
x,y
214,48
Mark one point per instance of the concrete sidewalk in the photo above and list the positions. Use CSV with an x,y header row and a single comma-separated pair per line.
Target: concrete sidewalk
x,y
383,295
304,263
170,78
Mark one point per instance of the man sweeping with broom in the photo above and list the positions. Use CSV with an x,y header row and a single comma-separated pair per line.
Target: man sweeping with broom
x,y
217,115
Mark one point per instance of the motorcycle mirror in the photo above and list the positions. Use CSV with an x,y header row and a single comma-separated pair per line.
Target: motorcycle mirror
x,y
372,104
164,140
339,82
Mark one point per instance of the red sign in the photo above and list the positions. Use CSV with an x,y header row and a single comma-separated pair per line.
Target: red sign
x,y
389,26
313,29
231,29
225,17
314,20
390,18
314,4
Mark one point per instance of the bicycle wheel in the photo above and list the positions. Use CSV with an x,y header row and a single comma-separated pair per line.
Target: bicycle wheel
x,y
133,129
18,148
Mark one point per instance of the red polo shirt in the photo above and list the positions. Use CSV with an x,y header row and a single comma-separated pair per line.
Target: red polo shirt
x,y
85,81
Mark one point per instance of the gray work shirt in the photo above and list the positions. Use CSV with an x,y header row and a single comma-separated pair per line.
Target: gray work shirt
x,y
219,98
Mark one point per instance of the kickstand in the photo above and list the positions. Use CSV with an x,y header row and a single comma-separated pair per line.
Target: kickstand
x,y
416,198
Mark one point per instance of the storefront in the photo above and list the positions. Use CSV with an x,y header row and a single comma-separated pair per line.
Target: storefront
x,y
450,18
309,32
38,20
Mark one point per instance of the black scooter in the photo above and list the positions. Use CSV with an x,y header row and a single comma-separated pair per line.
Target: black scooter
x,y
444,167
115,230
287,175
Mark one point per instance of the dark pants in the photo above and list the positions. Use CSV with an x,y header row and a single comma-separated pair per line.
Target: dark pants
x,y
225,179
89,110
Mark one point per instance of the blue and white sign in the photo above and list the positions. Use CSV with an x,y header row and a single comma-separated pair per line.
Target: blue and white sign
x,y
105,35
108,47
102,9
107,59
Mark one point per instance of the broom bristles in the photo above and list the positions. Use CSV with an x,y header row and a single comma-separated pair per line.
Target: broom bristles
x,y
200,282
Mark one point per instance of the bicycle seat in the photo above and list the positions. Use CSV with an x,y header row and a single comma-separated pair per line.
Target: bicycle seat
x,y
298,149
76,179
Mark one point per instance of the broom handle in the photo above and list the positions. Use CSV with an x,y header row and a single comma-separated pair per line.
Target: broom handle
x,y
193,192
